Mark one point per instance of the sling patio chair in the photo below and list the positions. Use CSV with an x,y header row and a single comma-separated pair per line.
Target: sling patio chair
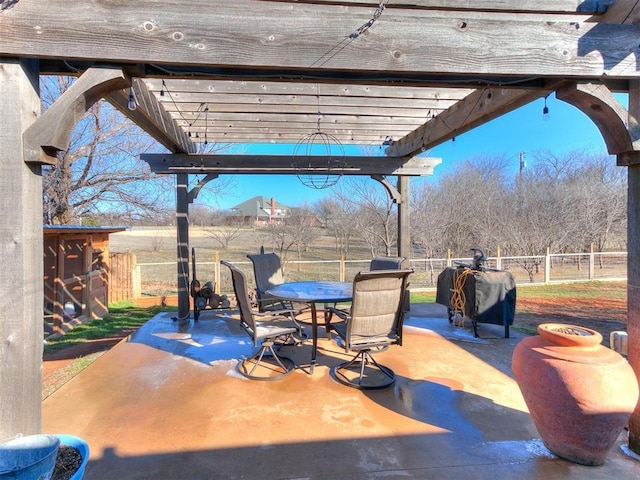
x,y
267,271
381,263
373,323
388,263
268,329
391,263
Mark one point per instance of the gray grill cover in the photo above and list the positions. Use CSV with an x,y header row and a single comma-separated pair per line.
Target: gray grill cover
x,y
490,297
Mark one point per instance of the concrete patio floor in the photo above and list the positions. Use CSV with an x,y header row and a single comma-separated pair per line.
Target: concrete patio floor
x,y
166,403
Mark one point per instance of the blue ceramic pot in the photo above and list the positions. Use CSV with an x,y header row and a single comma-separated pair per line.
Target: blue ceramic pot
x,y
28,458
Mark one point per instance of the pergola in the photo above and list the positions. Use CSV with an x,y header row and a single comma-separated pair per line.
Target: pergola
x,y
405,74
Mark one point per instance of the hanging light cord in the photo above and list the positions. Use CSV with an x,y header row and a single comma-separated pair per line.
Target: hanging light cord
x,y
318,99
202,108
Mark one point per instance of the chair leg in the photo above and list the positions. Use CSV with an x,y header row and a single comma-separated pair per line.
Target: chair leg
x,y
369,374
299,337
267,360
296,339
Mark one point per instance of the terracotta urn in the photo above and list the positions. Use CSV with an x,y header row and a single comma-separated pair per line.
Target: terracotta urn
x,y
580,394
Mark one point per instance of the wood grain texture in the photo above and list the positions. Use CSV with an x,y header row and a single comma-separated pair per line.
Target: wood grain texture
x,y
279,164
21,251
480,107
316,37
51,132
546,6
152,117
269,71
620,132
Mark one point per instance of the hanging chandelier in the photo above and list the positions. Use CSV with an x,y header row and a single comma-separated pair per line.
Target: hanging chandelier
x,y
318,158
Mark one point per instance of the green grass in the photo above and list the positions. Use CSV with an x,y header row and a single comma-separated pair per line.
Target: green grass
x,y
423,297
125,316
66,373
583,290
121,316
524,330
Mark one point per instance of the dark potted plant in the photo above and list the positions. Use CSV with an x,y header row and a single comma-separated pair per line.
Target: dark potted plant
x,y
73,455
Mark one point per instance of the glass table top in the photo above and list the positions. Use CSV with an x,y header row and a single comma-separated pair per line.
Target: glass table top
x,y
313,291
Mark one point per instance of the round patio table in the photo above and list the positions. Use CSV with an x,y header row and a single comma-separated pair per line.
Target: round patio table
x,y
312,293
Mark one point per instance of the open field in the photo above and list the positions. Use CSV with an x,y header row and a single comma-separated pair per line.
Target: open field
x,y
155,250
598,305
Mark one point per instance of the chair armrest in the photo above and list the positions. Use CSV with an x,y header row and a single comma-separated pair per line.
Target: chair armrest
x,y
275,313
343,314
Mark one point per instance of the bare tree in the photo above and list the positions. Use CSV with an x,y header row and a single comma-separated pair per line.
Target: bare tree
x,y
298,230
100,172
371,211
337,220
596,193
463,209
540,212
426,228
261,237
223,235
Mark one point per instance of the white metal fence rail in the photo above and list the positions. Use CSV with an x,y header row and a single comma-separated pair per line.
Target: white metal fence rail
x,y
155,279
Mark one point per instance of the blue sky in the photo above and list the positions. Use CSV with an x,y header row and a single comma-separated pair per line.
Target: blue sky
x,y
522,130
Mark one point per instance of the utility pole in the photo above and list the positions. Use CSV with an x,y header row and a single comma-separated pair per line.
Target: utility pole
x,y
523,162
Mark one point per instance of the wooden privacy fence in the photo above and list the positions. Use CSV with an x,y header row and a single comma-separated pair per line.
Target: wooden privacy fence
x,y
124,284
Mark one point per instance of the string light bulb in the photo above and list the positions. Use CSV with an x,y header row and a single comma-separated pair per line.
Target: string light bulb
x,y
131,103
545,110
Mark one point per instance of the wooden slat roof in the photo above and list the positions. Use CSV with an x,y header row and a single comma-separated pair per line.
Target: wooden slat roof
x,y
407,76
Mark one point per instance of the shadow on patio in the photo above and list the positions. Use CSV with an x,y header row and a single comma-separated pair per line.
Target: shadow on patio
x,y
167,403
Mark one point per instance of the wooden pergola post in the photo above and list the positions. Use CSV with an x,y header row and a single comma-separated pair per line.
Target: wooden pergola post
x,y
633,261
182,228
633,290
404,219
21,247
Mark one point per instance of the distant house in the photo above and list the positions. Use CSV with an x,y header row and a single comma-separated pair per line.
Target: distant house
x,y
258,211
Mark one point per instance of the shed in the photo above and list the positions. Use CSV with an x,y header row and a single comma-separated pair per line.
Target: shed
x,y
76,275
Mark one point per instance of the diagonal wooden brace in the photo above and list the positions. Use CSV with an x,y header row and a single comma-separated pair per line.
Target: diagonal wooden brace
x,y
620,133
393,192
51,132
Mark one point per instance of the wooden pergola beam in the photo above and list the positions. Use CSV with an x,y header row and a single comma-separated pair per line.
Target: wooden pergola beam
x,y
299,38
51,132
288,164
621,133
478,108
542,6
152,117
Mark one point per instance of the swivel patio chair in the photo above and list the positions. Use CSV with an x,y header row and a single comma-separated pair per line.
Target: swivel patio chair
x,y
391,263
388,263
271,332
383,263
267,271
373,323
